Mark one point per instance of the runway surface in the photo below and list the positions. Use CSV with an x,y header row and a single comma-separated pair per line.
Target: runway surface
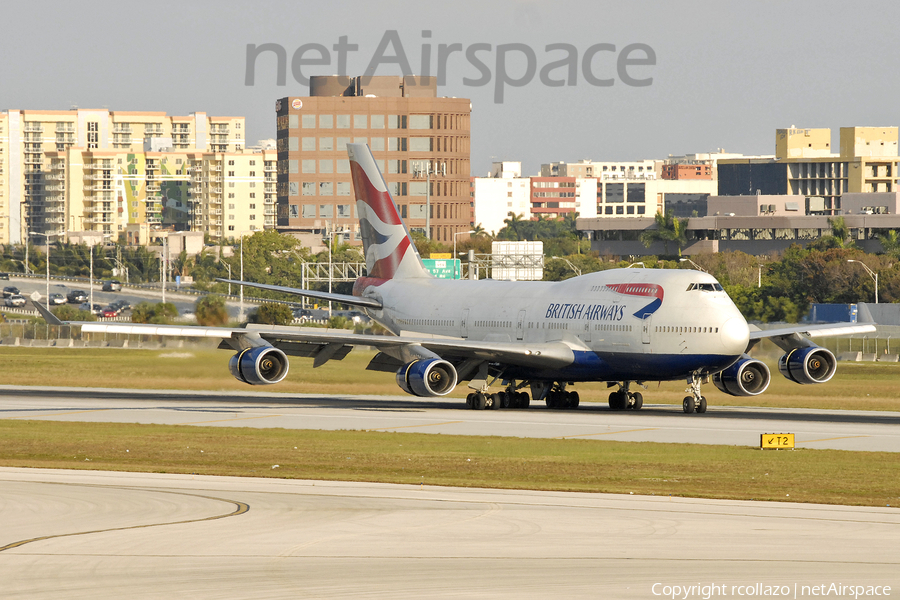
x,y
76,534
742,426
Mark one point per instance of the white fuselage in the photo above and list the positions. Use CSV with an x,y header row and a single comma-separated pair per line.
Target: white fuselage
x,y
645,322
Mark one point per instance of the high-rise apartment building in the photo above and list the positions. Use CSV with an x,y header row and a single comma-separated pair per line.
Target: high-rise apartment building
x,y
233,193
99,170
420,143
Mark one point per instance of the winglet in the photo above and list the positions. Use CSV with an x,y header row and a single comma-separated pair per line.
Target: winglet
x,y
48,316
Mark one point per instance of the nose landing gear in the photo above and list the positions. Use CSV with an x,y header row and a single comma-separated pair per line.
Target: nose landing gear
x,y
696,401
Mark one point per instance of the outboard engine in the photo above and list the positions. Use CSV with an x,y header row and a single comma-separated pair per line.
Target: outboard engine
x,y
427,377
808,365
262,365
746,377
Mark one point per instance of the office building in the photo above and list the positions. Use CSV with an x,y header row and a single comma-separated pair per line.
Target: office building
x,y
420,142
805,165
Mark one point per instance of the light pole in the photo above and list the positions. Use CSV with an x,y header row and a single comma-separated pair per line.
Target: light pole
x,y
569,262
696,266
455,258
91,284
47,238
428,170
241,287
871,273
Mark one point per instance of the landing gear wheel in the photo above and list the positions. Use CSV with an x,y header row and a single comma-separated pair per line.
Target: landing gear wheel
x,y
524,400
638,401
504,400
618,401
574,399
479,402
688,404
701,408
493,401
470,401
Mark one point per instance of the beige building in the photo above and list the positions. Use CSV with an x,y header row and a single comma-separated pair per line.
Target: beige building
x,y
604,170
84,169
233,193
419,141
804,165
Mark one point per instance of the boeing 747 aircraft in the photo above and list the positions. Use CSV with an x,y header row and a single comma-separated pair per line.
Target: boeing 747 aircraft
x,y
622,326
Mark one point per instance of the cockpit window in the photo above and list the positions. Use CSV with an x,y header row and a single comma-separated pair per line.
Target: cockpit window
x,y
705,287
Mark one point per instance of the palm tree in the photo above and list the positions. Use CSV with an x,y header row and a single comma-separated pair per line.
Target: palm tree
x,y
890,242
840,231
668,229
513,223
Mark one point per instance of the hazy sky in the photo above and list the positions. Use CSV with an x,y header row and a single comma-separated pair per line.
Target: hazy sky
x,y
726,74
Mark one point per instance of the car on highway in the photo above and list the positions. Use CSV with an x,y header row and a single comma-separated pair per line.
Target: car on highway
x,y
112,286
4,276
16,300
120,305
109,312
96,310
77,296
10,290
57,299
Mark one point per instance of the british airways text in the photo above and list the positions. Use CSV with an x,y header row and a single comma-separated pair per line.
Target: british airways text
x,y
590,312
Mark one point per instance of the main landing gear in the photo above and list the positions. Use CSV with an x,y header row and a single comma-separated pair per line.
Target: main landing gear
x,y
623,399
505,399
696,402
558,397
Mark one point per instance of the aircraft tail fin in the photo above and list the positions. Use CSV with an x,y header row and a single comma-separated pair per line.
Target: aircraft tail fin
x,y
390,251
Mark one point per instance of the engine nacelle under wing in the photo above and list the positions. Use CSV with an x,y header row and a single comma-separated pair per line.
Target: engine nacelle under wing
x,y
808,365
262,365
427,377
746,377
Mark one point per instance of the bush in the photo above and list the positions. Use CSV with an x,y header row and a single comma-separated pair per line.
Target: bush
x,y
158,314
272,313
211,311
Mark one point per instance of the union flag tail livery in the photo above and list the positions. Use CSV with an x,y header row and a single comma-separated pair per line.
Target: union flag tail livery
x,y
390,252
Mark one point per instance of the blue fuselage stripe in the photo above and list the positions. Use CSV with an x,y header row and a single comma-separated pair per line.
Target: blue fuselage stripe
x,y
617,366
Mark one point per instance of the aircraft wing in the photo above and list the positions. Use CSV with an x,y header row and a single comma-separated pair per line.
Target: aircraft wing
x,y
788,338
300,341
327,296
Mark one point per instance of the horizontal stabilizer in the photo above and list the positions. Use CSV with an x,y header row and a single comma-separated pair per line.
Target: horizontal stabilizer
x,y
327,296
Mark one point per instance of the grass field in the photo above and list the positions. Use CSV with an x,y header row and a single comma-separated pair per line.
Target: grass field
x,y
860,386
821,476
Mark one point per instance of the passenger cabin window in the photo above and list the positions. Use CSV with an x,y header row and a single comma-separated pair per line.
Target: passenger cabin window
x,y
705,287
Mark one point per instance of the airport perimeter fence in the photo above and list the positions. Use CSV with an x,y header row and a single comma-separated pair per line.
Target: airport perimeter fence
x,y
40,335
882,345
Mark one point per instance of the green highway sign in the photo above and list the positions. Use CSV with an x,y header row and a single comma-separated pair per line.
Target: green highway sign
x,y
443,268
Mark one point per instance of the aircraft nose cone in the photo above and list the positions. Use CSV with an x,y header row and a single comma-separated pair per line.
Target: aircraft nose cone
x,y
735,335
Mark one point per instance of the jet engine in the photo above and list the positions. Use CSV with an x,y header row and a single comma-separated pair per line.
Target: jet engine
x,y
808,365
746,377
262,365
427,377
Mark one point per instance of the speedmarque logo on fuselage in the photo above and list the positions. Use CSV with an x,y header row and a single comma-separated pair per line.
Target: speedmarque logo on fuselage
x,y
610,312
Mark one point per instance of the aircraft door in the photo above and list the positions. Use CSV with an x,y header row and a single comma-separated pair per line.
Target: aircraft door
x,y
464,324
645,329
520,326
